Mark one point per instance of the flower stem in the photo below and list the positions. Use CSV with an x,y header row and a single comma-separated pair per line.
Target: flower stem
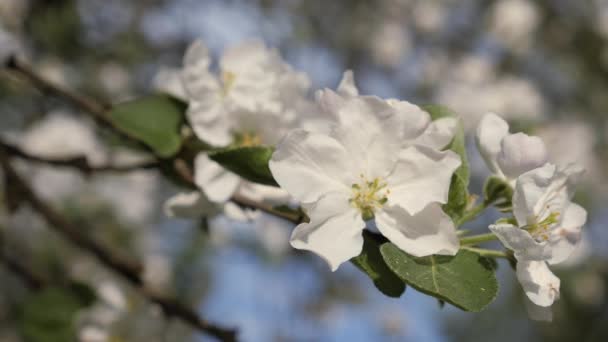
x,y
477,239
488,252
471,214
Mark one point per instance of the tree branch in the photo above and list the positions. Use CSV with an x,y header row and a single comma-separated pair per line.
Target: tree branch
x,y
29,277
92,107
127,268
99,113
77,162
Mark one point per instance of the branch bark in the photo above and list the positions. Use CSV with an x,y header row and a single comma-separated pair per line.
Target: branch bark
x,y
131,270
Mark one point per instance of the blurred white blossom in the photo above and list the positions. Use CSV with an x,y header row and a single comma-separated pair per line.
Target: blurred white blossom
x,y
472,89
513,22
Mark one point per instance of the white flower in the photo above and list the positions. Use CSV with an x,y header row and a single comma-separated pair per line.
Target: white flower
x,y
254,99
362,170
169,81
548,228
508,155
420,129
513,22
549,223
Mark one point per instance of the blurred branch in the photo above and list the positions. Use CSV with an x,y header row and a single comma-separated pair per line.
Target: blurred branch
x,y
78,162
92,107
128,268
29,277
185,173
99,113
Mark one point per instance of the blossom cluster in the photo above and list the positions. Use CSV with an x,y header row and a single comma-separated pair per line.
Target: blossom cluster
x,y
354,162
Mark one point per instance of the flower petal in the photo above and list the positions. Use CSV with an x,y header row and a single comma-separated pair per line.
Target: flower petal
x,y
565,239
309,165
490,132
539,283
216,182
430,231
438,133
347,85
190,205
416,119
196,78
529,193
371,132
420,177
334,231
520,242
521,153
210,121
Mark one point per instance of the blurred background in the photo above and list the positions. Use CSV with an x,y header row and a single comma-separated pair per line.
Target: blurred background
x,y
542,65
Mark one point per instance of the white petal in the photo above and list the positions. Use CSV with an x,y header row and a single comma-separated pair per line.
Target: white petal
x,y
521,153
416,120
265,193
490,132
430,231
421,176
309,165
216,182
196,78
372,133
438,133
234,212
530,193
565,239
189,205
539,313
334,231
252,56
539,283
520,242
210,121
347,85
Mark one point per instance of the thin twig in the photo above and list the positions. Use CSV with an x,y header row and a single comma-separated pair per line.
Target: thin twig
x,y
29,277
97,111
77,162
129,269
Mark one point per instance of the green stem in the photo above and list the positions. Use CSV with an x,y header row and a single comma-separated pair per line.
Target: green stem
x,y
471,214
477,239
488,252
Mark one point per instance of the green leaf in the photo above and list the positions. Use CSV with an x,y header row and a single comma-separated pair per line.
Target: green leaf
x,y
49,315
459,193
466,280
155,120
250,163
497,191
371,263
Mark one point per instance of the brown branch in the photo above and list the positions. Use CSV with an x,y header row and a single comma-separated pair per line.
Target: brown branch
x,y
129,269
29,277
97,111
185,173
77,162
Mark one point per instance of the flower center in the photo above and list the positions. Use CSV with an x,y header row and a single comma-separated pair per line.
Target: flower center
x,y
228,78
541,230
247,139
367,196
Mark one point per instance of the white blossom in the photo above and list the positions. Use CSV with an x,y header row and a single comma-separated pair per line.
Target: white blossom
x,y
169,81
508,155
251,101
361,169
420,129
548,227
